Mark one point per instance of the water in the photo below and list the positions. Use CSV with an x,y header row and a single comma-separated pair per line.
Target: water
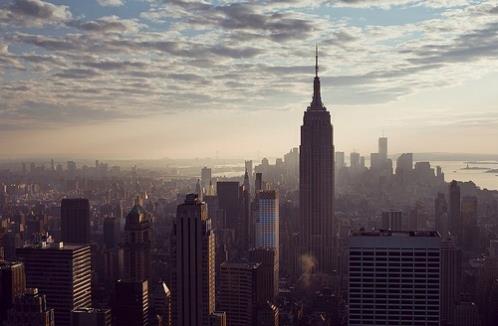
x,y
453,170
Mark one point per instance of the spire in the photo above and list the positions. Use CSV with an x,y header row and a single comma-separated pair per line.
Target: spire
x,y
316,103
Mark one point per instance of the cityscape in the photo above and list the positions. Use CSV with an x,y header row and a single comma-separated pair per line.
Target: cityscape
x,y
312,236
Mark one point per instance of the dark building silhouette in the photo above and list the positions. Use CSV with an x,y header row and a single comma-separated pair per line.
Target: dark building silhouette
x,y
91,317
75,220
111,232
12,284
268,315
441,215
268,259
131,303
192,264
241,292
161,302
136,246
229,202
316,182
455,216
258,183
63,273
218,318
30,309
392,220
451,269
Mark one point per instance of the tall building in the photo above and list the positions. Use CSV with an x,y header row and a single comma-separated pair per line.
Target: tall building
x,y
354,160
63,273
131,303
270,269
75,220
205,177
267,220
470,228
394,278
383,148
193,264
12,284
404,164
316,182
249,168
161,304
339,160
258,183
246,229
451,276
111,232
441,215
454,216
91,317
30,309
229,202
240,292
136,246
392,220
268,315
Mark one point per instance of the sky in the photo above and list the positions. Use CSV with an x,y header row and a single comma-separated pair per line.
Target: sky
x,y
187,78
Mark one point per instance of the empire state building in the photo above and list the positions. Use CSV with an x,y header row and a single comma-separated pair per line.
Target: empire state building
x,y
316,183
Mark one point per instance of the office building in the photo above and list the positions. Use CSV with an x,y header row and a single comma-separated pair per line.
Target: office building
x,y
75,220
394,278
229,202
454,213
240,292
404,164
270,269
268,315
161,302
339,160
451,276
267,220
136,246
193,264
470,229
392,220
111,232
383,148
30,309
441,215
316,182
91,317
62,272
205,177
258,183
218,318
131,303
12,284
466,314
354,160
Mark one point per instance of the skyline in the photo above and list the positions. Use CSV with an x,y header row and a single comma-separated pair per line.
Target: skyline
x,y
122,79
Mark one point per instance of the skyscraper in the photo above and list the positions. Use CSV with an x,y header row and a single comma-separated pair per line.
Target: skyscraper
x,y
394,278
30,309
383,148
316,182
12,284
392,220
267,220
63,273
131,303
270,269
75,220
339,160
193,264
91,317
441,215
404,164
240,292
205,177
229,202
451,276
454,216
136,246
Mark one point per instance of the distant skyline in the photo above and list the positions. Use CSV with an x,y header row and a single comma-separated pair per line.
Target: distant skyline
x,y
131,79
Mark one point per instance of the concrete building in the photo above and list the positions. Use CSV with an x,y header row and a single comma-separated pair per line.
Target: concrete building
x,y
30,309
394,278
131,303
392,220
75,220
91,317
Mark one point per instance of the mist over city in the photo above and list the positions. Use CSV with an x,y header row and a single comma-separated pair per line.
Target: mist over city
x,y
248,163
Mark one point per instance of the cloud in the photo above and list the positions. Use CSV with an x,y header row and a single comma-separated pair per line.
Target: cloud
x,y
33,13
107,24
110,3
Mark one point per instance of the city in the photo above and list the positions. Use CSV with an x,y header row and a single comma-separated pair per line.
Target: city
x,y
316,237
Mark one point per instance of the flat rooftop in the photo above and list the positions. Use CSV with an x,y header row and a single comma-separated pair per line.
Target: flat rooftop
x,y
389,233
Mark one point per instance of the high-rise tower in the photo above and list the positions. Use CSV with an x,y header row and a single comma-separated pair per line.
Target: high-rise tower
x,y
316,182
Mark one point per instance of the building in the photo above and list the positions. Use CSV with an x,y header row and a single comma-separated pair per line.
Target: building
x,y
161,304
394,278
441,215
268,315
470,229
467,314
91,317
258,183
270,269
193,264
240,292
404,164
30,309
137,243
218,318
339,160
392,220
354,161
383,148
111,232
75,220
131,303
12,284
316,182
62,272
229,202
267,220
205,177
454,212
451,276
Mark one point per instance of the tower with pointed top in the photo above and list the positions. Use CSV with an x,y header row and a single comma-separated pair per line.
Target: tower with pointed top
x,y
316,183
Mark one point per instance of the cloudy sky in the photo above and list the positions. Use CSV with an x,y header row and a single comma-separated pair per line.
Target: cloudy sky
x,y
188,78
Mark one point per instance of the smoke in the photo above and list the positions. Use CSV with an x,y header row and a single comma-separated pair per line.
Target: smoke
x,y
308,264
